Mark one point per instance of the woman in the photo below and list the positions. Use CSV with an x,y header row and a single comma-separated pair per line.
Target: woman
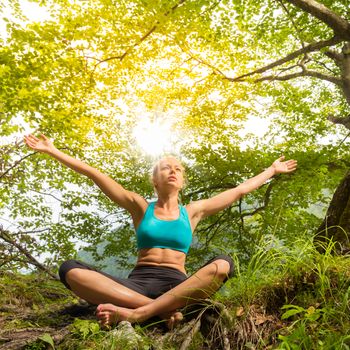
x,y
158,285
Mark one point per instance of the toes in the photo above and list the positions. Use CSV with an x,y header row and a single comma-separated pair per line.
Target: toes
x,y
178,316
171,322
100,313
175,320
103,316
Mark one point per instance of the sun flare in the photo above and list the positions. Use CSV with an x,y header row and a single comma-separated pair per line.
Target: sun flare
x,y
154,137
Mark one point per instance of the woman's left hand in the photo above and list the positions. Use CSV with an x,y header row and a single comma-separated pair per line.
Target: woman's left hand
x,y
280,166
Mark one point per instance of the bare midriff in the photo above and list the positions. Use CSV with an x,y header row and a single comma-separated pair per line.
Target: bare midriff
x,y
162,257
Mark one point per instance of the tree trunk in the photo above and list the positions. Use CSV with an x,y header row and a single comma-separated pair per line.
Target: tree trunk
x,y
336,224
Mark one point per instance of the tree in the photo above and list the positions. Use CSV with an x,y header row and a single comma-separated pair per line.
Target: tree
x,y
323,36
85,77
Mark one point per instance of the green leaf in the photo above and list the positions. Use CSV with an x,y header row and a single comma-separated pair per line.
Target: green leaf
x,y
47,339
293,310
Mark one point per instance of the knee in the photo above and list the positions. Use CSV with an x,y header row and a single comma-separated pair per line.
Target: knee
x,y
221,269
65,267
68,271
224,266
77,274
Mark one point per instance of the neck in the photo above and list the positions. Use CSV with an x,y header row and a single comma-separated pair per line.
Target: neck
x,y
168,201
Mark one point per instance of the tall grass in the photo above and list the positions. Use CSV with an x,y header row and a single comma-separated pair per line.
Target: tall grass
x,y
308,290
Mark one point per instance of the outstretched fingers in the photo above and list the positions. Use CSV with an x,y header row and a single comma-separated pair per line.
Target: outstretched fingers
x,y
41,143
287,166
31,137
31,140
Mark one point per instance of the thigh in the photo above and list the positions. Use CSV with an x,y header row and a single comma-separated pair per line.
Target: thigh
x,y
76,264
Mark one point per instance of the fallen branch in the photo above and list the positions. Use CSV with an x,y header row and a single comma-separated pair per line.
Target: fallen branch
x,y
189,338
7,237
18,338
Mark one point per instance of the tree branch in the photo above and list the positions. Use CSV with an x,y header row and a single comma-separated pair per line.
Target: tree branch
x,y
143,38
209,238
202,61
213,187
303,73
293,22
241,228
31,260
340,26
209,227
20,161
46,194
335,56
324,65
15,164
266,201
309,48
340,120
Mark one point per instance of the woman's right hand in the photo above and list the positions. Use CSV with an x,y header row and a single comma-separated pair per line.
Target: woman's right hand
x,y
42,144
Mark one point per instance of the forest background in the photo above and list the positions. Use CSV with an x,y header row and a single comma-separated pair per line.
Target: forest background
x,y
105,78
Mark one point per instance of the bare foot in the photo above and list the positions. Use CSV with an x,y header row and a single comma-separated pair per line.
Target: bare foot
x,y
109,314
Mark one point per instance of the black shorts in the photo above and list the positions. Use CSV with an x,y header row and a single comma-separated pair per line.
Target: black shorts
x,y
151,281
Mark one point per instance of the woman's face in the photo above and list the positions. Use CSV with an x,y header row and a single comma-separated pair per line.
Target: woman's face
x,y
169,173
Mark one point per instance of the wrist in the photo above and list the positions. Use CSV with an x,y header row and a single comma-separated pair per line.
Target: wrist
x,y
51,151
272,170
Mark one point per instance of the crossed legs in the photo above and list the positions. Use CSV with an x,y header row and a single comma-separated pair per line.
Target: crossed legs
x,y
202,284
117,302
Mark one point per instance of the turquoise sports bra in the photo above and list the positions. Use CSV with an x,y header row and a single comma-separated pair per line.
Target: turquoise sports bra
x,y
172,234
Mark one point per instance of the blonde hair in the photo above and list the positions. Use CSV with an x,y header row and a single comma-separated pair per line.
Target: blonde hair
x,y
155,169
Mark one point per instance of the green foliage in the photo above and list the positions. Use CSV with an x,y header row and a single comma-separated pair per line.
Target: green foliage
x,y
46,338
39,345
88,74
309,290
309,315
296,298
84,328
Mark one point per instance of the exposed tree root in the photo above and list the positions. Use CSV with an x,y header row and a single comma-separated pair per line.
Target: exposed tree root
x,y
254,327
13,339
193,331
18,338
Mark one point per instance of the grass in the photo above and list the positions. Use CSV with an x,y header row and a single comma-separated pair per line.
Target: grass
x,y
285,298
308,291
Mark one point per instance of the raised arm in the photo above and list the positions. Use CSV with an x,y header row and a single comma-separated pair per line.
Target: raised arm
x,y
206,207
131,201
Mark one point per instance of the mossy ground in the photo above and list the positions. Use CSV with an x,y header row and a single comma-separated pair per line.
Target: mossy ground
x,y
291,299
